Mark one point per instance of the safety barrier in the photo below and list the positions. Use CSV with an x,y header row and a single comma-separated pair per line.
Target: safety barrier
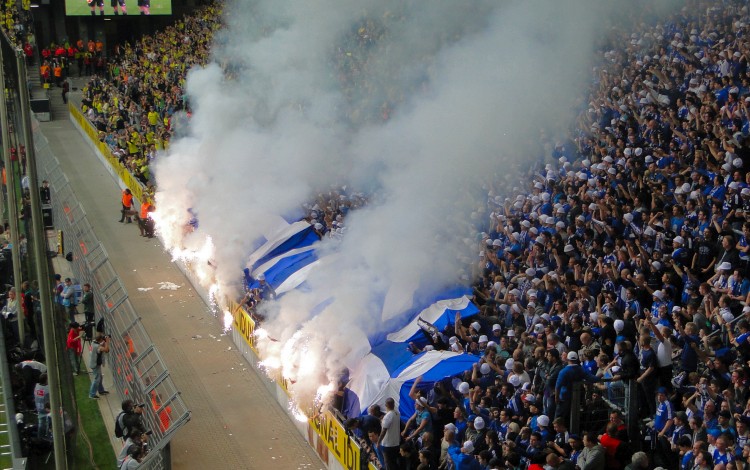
x,y
112,162
139,371
592,404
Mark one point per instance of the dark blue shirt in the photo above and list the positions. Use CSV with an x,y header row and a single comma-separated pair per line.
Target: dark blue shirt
x,y
569,375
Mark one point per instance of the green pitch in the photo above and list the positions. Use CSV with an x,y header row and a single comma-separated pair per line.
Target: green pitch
x,y
81,8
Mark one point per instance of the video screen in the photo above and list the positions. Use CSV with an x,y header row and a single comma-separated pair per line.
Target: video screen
x,y
110,8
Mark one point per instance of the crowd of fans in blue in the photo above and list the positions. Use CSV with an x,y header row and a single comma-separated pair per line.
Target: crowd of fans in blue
x,y
623,265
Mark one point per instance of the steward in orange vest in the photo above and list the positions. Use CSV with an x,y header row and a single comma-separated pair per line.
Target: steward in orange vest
x,y
127,206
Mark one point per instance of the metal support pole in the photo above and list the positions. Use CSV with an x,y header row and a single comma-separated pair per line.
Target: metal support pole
x,y
631,406
10,188
575,408
39,246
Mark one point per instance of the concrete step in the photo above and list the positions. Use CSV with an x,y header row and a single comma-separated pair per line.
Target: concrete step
x,y
33,75
57,107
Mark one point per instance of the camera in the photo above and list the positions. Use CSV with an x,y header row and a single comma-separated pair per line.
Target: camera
x,y
88,329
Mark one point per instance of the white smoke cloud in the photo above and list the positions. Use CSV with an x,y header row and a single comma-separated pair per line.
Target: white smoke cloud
x,y
467,86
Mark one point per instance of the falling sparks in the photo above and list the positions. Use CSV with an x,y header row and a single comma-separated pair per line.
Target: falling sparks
x,y
212,292
322,393
215,306
270,363
296,412
228,320
295,360
308,364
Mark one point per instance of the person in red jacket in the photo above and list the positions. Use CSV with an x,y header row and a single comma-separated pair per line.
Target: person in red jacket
x,y
74,346
28,52
611,444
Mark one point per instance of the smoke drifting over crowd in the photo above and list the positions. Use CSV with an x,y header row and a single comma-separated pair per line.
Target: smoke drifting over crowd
x,y
422,105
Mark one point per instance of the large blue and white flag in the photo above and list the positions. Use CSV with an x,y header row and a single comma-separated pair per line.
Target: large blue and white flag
x,y
372,383
285,259
390,368
387,367
288,237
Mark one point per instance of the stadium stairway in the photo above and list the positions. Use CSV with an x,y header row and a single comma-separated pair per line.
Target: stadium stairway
x,y
35,80
57,107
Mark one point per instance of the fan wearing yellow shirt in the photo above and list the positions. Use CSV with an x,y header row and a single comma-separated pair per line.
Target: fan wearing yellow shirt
x,y
153,118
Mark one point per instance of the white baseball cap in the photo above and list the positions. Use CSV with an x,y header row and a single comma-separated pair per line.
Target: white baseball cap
x,y
468,447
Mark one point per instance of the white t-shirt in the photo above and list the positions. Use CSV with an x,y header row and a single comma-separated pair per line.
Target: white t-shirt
x,y
664,353
124,452
392,426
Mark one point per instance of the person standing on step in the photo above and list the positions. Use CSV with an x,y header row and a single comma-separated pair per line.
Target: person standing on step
x,y
74,346
127,206
99,348
87,300
65,90
70,299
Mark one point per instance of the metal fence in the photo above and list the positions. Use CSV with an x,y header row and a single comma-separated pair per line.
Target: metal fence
x,y
593,403
27,266
139,371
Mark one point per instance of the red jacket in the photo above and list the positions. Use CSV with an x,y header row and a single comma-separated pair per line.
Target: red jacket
x,y
610,445
74,341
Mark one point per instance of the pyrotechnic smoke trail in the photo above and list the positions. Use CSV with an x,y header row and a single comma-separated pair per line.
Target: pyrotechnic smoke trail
x,y
417,103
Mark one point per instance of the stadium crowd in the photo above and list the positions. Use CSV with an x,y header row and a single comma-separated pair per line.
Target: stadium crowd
x,y
132,105
623,264
17,23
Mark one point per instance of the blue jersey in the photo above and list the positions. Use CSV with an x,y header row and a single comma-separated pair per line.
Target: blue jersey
x,y
590,367
724,458
686,463
463,461
741,244
664,412
570,374
689,356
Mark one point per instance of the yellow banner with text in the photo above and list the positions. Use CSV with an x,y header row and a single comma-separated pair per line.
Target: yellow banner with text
x,y
127,178
337,440
243,323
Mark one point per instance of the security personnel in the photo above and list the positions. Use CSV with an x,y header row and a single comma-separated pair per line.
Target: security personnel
x,y
127,206
146,207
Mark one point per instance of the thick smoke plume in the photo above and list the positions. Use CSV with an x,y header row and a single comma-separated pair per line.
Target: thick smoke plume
x,y
422,105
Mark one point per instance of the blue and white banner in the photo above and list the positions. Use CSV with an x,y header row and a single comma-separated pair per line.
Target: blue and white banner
x,y
387,367
372,383
297,235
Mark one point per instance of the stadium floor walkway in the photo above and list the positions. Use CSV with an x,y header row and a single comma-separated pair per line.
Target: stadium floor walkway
x,y
236,423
